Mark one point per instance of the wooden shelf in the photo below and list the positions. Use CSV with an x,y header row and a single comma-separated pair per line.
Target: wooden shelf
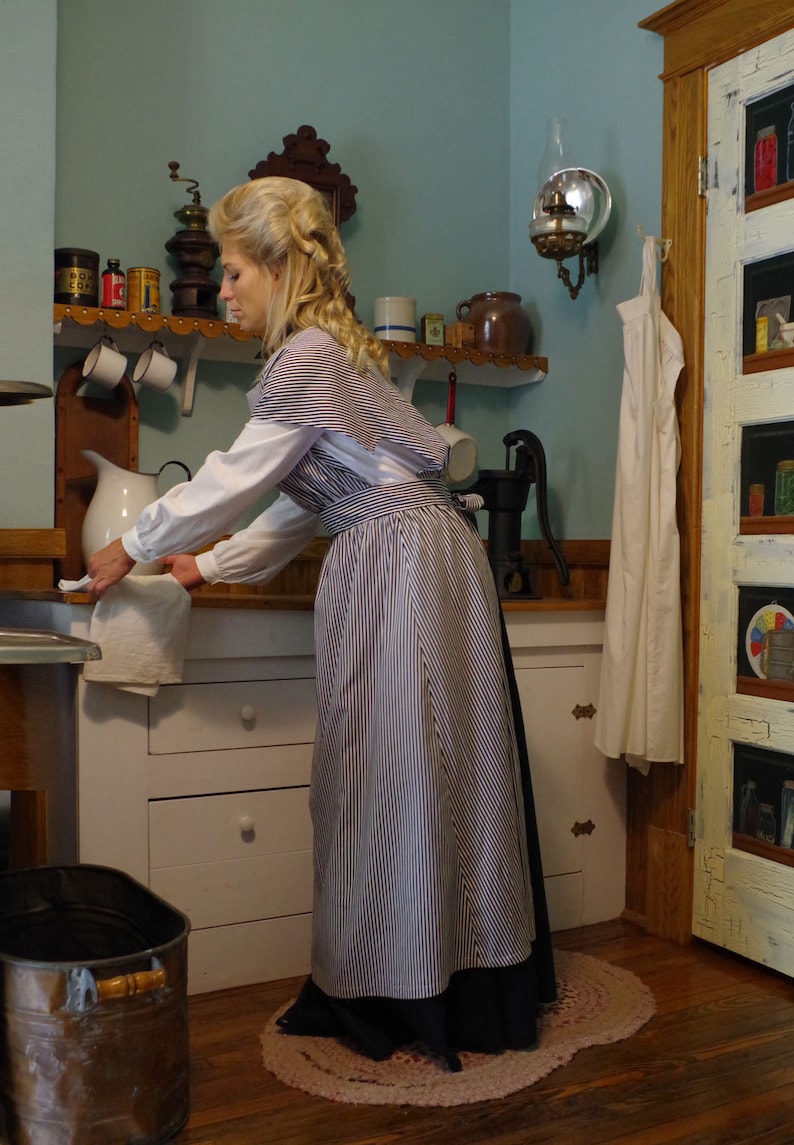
x,y
767,689
753,526
410,360
765,850
211,338
760,199
150,324
518,369
185,338
770,360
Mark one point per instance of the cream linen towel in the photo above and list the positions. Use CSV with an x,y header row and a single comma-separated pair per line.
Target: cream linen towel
x,y
141,626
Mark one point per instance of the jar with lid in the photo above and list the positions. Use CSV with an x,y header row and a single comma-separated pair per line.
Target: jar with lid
x,y
114,286
765,159
784,489
748,810
756,500
767,827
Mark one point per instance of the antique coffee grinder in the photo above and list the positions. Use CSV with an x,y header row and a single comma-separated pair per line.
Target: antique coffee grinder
x,y
195,292
505,493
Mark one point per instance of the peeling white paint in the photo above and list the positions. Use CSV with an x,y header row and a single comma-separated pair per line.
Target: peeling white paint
x,y
741,901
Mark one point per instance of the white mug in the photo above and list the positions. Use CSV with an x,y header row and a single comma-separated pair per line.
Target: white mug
x,y
462,452
395,319
105,364
155,367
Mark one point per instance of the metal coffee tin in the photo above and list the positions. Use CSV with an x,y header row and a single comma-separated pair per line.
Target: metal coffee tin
x,y
76,276
143,290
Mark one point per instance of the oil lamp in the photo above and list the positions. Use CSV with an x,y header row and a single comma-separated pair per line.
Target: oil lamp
x,y
571,209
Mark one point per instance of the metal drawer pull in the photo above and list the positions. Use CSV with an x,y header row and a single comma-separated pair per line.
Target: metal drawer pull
x,y
246,824
248,713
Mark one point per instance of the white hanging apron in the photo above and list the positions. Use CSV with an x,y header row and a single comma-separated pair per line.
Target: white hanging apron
x,y
640,708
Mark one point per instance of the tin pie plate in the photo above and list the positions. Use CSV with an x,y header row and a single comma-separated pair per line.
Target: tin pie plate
x,y
33,646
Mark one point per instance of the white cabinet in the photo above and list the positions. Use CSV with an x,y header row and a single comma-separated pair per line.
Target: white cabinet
x,y
201,792
580,796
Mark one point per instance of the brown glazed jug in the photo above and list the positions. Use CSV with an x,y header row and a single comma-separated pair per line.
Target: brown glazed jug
x,y
501,325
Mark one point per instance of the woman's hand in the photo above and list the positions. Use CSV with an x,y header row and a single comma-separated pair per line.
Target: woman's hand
x,y
107,567
183,567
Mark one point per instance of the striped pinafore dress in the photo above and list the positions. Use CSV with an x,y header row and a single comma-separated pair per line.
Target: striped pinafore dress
x,y
421,866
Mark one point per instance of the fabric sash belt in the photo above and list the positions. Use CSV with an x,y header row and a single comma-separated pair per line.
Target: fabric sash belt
x,y
381,500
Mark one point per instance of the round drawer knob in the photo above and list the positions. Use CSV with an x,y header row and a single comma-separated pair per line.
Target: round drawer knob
x,y
246,824
248,713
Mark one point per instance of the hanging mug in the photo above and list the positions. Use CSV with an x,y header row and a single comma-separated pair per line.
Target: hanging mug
x,y
155,368
105,364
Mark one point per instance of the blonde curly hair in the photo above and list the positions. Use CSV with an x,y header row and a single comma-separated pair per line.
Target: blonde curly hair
x,y
286,224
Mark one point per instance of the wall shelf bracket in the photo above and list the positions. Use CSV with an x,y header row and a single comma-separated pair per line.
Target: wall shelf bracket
x,y
189,364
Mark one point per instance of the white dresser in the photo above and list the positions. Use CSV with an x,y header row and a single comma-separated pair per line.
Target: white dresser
x,y
201,792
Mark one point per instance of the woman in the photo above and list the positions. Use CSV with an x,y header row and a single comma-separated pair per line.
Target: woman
x,y
423,904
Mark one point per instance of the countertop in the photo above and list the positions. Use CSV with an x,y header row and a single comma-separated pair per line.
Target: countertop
x,y
291,602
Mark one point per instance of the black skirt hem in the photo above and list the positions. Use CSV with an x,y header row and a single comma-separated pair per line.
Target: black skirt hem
x,y
483,1011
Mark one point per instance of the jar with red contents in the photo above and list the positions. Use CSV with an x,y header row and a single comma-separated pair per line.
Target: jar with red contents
x,y
765,159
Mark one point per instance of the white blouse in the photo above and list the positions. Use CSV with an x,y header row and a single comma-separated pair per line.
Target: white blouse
x,y
196,512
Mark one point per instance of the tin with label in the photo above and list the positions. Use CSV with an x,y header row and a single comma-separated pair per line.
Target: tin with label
x,y
143,290
433,329
76,276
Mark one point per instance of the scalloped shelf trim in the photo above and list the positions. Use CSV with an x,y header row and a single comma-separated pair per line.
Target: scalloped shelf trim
x,y
150,323
456,355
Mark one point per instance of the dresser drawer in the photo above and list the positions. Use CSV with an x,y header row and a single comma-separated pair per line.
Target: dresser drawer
x,y
217,828
246,713
242,890
226,859
224,956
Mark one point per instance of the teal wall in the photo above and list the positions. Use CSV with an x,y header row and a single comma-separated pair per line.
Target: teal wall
x,y
413,97
605,85
27,180
436,109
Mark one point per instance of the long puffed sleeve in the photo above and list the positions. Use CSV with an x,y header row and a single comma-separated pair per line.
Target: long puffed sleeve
x,y
256,554
199,511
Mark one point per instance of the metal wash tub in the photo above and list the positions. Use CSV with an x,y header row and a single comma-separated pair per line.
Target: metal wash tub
x,y
93,1009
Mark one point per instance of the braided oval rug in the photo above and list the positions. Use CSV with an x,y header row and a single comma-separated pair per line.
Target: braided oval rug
x,y
598,1004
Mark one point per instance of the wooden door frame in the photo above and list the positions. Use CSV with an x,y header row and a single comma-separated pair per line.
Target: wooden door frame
x,y
698,35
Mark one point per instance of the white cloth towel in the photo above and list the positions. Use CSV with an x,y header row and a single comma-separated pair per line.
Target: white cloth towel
x,y
141,627
640,711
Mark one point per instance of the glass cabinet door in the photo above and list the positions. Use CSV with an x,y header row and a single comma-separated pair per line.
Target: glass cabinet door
x,y
744,874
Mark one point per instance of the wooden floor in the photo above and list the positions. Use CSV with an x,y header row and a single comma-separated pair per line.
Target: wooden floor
x,y
715,1066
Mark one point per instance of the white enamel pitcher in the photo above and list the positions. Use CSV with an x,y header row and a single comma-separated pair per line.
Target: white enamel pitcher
x,y
118,500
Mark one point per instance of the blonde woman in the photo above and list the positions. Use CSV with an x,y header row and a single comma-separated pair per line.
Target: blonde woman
x,y
423,921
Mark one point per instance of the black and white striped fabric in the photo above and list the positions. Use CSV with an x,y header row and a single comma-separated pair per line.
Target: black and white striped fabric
x,y
420,851
310,382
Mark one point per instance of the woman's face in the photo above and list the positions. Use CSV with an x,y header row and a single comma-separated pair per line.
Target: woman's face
x,y
248,286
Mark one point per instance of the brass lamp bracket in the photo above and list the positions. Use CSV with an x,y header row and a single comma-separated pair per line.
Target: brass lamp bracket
x,y
588,264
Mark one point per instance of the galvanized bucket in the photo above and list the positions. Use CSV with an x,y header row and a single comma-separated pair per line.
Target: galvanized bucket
x,y
93,1009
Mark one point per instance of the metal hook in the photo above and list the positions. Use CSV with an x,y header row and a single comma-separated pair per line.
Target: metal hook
x,y
663,244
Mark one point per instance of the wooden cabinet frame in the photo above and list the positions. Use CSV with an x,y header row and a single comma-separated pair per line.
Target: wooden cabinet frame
x,y
698,35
